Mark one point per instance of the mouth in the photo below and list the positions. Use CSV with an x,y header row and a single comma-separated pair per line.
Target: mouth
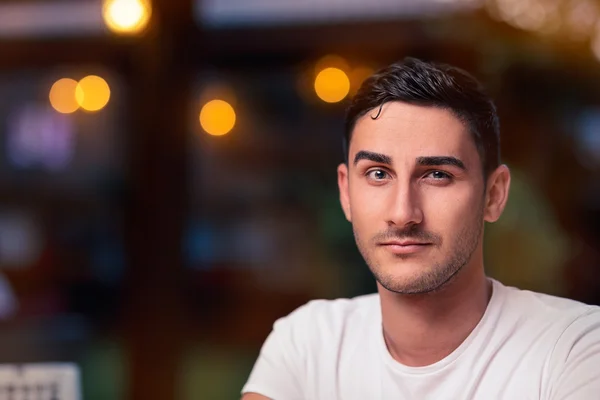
x,y
403,247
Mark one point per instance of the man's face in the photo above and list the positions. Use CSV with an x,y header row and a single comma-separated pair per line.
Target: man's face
x,y
414,193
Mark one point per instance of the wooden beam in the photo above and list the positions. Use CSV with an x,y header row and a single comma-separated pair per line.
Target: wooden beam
x,y
159,81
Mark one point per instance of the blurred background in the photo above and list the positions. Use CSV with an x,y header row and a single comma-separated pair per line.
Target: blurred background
x,y
167,169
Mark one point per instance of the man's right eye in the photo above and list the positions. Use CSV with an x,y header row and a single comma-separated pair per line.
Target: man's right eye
x,y
377,174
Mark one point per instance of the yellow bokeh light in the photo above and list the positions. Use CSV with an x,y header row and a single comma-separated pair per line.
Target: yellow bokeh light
x,y
92,93
62,96
332,85
217,117
127,16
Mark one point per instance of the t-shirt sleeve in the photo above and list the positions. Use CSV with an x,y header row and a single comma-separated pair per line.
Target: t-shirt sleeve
x,y
278,372
578,354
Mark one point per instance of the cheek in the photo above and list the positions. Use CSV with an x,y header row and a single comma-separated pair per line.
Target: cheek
x,y
448,210
368,206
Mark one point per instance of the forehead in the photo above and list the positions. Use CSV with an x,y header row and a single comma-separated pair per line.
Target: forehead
x,y
407,130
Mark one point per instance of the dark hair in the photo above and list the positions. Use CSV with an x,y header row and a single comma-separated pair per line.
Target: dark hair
x,y
435,85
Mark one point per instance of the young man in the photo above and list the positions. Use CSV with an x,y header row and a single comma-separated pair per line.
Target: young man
x,y
421,177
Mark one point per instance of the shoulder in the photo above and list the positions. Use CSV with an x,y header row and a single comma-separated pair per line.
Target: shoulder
x,y
333,311
564,320
540,305
329,317
308,339
558,337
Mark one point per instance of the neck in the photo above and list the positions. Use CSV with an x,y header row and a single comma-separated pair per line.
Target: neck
x,y
422,329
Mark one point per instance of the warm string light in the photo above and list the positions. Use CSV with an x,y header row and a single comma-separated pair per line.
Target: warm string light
x,y
62,96
577,20
332,85
127,17
217,117
91,93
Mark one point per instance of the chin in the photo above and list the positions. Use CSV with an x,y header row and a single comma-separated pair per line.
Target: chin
x,y
408,288
407,269
414,278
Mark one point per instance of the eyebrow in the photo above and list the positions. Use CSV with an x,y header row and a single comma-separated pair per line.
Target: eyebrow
x,y
441,160
423,161
371,156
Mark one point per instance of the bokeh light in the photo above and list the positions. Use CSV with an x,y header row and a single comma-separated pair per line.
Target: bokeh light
x,y
127,16
217,117
595,43
62,96
92,93
581,17
332,85
531,15
37,136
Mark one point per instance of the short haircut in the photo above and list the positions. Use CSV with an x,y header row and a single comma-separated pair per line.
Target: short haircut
x,y
428,84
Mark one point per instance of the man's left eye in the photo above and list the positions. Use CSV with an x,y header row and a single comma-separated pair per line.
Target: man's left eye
x,y
438,175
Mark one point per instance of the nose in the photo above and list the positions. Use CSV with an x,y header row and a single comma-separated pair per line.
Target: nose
x,y
404,209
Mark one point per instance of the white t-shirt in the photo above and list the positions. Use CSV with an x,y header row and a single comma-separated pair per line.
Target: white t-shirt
x,y
527,346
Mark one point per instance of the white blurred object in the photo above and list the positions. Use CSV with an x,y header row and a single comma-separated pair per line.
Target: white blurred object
x,y
58,18
40,381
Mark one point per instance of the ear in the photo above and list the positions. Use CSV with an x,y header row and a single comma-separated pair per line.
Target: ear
x,y
342,173
496,195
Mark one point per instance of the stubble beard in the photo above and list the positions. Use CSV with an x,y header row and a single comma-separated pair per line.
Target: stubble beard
x,y
434,278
